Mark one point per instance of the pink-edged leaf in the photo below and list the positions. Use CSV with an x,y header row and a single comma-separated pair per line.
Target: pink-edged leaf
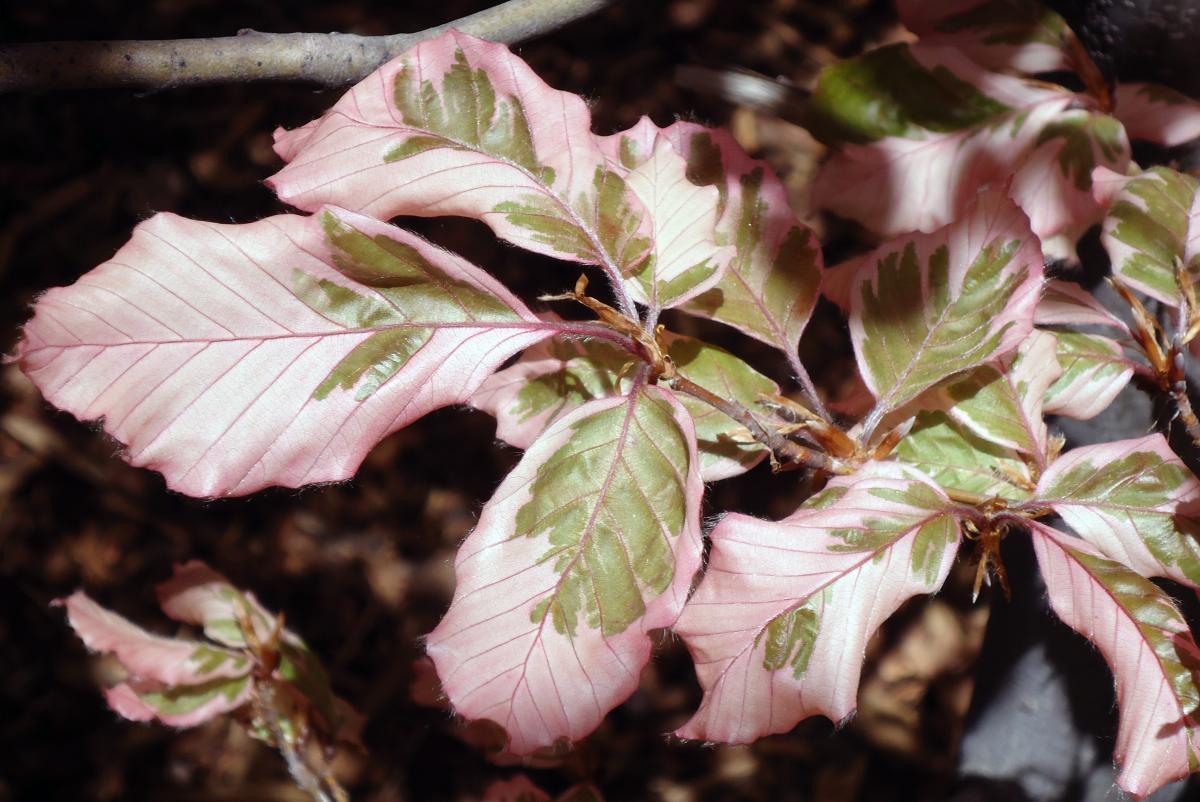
x,y
1158,114
1094,370
515,789
770,287
147,657
684,259
460,126
556,377
234,357
1135,501
927,306
778,626
920,128
1065,303
589,543
180,705
196,594
1003,403
1020,35
1152,228
1149,648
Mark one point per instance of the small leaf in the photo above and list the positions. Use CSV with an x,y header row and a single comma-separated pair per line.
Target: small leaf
x,y
684,259
1003,404
235,357
1147,645
556,377
928,306
196,594
1019,35
1153,224
170,661
1094,370
957,459
1135,501
1158,114
919,129
460,126
779,623
1064,303
180,705
770,288
589,543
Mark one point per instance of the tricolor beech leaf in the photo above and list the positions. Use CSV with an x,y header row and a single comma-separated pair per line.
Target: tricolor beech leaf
x,y
1021,35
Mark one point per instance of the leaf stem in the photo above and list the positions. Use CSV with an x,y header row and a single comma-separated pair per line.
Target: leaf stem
x,y
329,59
807,387
785,451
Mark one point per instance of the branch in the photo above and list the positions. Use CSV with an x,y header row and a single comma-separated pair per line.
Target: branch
x,y
329,59
788,452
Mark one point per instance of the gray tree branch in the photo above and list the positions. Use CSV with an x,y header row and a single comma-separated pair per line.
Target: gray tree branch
x,y
329,59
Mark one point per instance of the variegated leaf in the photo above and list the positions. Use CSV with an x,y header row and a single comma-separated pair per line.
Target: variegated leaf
x,y
684,259
556,377
196,594
957,459
234,357
1094,370
920,128
177,681
778,626
1149,648
1064,303
1003,403
770,287
1135,501
1158,114
589,543
1152,226
1020,35
927,306
459,126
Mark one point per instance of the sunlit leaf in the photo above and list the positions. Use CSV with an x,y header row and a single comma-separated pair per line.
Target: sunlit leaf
x,y
589,543
1152,227
1094,370
459,126
233,357
778,626
928,306
1135,501
1149,648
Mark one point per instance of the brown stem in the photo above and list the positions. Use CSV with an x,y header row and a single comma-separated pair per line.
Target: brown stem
x,y
329,59
784,450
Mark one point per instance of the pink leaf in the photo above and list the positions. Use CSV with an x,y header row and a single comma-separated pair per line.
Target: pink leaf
x,y
460,126
1020,35
778,626
927,306
1157,114
179,706
1094,370
770,288
684,258
590,543
196,594
1134,500
1065,303
170,661
1147,644
234,357
902,166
